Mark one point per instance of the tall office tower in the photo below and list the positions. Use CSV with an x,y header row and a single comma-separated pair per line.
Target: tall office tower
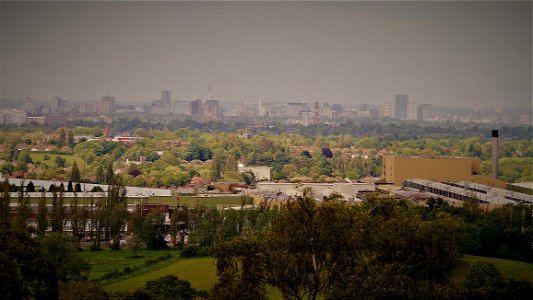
x,y
388,110
108,103
196,107
55,105
209,91
166,97
211,109
181,108
400,107
422,112
316,119
412,111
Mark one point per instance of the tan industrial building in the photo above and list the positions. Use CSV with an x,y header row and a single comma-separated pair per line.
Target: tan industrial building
x,y
396,169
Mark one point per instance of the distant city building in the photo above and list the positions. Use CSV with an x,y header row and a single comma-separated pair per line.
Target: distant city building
x,y
196,107
58,105
423,112
400,107
87,108
388,110
212,109
295,108
12,116
412,111
181,108
166,98
106,105
525,119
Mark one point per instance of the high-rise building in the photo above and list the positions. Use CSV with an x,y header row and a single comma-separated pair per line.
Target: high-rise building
x,y
196,107
166,98
412,111
106,106
181,108
400,107
212,109
388,110
58,105
423,112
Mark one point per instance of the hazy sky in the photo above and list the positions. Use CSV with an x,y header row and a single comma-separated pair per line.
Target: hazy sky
x,y
443,53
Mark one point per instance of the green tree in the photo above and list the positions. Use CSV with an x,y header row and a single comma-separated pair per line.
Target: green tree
x,y
69,264
78,219
5,200
60,161
58,214
100,176
151,230
42,215
25,271
76,290
30,188
70,138
109,173
70,188
75,173
116,209
170,287
23,208
217,166
62,137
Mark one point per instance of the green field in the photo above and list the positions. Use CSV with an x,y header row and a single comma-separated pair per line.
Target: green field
x,y
508,268
200,272
69,158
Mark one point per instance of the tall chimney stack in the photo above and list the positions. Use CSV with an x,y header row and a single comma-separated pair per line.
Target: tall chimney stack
x,y
495,154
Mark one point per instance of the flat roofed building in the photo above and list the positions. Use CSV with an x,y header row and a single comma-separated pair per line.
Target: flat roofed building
x,y
396,169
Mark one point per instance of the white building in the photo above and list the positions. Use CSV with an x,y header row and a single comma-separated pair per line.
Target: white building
x,y
12,116
260,172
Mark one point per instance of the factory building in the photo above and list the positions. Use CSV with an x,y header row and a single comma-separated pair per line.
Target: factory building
x,y
397,169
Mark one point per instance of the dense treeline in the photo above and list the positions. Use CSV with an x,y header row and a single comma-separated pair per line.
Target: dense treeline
x,y
382,249
504,232
174,157
388,129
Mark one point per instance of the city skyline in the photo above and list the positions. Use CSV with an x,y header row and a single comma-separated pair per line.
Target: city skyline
x,y
443,53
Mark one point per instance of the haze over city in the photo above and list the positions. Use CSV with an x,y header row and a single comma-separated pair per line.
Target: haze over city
x,y
468,54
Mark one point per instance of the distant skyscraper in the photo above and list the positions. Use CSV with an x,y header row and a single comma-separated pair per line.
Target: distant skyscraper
x,y
400,107
166,99
388,110
412,111
422,112
181,107
196,107
211,109
209,91
106,106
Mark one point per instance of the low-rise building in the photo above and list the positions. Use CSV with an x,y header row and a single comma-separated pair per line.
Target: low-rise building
x,y
260,172
396,169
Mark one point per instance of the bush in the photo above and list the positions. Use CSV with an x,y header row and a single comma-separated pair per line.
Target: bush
x,y
190,251
95,248
115,246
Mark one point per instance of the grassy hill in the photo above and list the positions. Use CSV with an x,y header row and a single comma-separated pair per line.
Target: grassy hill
x,y
69,159
201,272
508,268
